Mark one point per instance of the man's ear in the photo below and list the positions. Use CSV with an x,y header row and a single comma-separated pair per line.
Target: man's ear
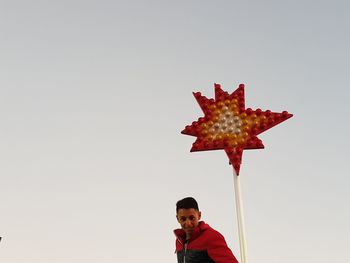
x,y
177,218
199,215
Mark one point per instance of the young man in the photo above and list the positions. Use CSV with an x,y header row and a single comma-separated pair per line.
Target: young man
x,y
196,241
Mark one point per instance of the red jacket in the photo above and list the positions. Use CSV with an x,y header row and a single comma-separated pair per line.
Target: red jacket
x,y
205,245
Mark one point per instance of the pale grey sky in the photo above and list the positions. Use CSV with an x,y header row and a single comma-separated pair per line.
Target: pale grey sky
x,y
94,94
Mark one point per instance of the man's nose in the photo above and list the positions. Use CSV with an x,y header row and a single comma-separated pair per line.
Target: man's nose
x,y
188,223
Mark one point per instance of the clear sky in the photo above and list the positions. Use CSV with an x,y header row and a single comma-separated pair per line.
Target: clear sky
x,y
94,94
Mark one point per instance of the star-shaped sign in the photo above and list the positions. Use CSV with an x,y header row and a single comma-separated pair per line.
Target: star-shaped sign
x,y
228,125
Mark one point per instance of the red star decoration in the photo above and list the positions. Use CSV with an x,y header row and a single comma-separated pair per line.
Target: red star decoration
x,y
228,125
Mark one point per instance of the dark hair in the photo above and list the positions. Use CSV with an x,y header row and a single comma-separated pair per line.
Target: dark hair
x,y
187,203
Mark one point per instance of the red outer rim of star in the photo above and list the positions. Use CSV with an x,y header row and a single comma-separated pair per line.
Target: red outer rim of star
x,y
229,126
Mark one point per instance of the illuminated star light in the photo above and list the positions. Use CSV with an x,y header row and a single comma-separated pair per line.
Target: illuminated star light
x,y
228,125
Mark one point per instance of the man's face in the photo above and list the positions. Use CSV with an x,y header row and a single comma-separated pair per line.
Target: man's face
x,y
188,219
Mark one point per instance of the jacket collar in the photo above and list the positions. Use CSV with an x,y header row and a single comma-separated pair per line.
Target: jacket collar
x,y
181,235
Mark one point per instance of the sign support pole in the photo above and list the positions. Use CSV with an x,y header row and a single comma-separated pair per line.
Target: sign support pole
x,y
240,218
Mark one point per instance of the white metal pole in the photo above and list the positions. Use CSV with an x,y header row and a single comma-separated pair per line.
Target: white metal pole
x,y
240,218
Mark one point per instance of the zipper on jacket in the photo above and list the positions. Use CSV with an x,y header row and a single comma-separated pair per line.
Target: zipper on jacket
x,y
185,248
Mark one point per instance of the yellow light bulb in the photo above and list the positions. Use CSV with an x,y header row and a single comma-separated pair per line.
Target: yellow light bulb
x,y
217,112
242,140
212,107
220,104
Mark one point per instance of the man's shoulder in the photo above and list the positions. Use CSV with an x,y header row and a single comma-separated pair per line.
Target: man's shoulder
x,y
208,230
